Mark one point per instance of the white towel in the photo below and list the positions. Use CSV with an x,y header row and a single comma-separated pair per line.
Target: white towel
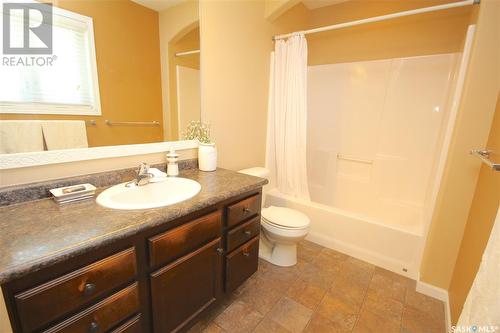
x,y
64,134
20,136
482,306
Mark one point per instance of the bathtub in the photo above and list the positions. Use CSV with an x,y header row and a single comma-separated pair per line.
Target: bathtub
x,y
389,247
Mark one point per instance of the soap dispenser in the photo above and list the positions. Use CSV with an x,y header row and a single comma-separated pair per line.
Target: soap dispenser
x,y
172,166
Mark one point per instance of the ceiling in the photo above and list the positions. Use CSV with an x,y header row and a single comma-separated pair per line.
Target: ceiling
x,y
314,4
159,5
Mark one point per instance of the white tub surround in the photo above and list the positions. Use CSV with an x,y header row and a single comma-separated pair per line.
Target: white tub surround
x,y
375,141
356,235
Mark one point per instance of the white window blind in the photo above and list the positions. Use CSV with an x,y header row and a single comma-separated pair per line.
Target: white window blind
x,y
68,85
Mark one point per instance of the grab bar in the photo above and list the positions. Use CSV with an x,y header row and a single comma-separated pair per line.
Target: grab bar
x,y
485,155
147,123
354,159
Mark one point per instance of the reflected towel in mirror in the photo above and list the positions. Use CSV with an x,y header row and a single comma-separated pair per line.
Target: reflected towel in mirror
x,y
20,136
64,134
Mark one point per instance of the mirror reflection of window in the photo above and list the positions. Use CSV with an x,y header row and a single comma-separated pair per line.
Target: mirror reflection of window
x,y
112,80
64,82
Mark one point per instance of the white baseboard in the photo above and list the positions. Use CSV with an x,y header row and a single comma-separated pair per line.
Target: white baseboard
x,y
437,293
363,254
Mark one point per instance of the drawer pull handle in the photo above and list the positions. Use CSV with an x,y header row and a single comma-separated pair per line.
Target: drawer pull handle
x,y
247,210
93,327
246,254
220,250
89,289
247,232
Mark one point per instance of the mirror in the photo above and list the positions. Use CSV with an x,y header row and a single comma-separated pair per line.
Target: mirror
x,y
107,73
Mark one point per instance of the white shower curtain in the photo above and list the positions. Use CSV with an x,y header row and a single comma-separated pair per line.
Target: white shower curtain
x,y
288,115
482,306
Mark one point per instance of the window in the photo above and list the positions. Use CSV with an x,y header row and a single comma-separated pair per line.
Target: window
x,y
64,82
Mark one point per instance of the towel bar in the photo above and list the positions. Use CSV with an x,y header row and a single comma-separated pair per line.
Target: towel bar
x,y
485,156
110,123
354,159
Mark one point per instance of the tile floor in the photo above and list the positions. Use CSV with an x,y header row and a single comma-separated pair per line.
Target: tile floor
x,y
326,291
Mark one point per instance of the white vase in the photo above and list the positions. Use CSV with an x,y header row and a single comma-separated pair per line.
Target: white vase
x,y
207,157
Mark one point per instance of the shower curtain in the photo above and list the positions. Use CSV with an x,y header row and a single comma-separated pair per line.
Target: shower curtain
x,y
288,115
482,306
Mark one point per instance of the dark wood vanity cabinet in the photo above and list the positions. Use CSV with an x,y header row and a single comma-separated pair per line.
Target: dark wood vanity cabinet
x,y
186,287
159,280
191,279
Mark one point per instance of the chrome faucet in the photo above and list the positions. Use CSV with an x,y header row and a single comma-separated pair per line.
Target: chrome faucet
x,y
143,176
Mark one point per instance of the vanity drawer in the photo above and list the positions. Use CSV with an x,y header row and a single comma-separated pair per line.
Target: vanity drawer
x,y
47,302
104,315
179,241
243,233
241,264
131,326
244,209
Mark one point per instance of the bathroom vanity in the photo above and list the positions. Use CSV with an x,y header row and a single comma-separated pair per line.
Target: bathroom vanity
x,y
86,268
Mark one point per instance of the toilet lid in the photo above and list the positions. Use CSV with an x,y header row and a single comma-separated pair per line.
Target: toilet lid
x,y
285,217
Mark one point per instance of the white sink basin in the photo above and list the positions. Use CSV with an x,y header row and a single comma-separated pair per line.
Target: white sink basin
x,y
153,195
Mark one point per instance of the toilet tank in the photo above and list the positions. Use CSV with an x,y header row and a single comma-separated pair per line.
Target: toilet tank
x,y
256,171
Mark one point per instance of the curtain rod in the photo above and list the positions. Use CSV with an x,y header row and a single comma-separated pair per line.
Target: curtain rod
x,y
179,54
380,18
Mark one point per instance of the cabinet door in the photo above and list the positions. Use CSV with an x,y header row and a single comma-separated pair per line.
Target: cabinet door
x,y
186,287
241,264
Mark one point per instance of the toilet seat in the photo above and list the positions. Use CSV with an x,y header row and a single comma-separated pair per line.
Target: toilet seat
x,y
284,218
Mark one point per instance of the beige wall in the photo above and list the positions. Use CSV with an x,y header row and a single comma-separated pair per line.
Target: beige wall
x,y
295,18
128,64
425,34
175,22
478,228
471,131
236,42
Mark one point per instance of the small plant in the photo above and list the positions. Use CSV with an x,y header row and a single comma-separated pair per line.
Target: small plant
x,y
196,130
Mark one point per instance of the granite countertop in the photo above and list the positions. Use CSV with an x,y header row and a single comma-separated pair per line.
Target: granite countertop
x,y
40,233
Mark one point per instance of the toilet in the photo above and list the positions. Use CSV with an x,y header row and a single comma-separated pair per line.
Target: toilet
x,y
281,229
